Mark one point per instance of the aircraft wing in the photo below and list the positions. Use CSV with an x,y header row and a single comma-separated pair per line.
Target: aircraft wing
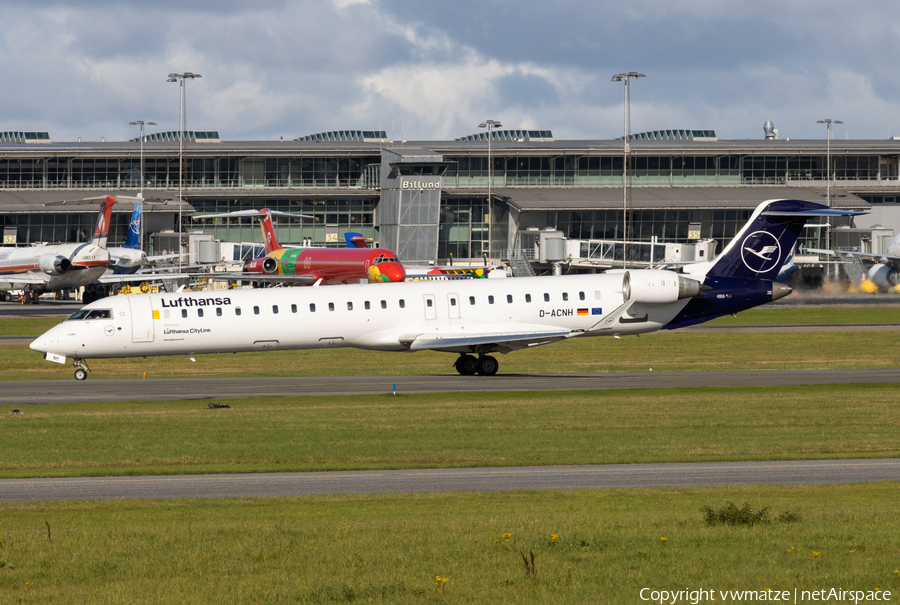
x,y
261,277
886,259
503,342
110,278
18,279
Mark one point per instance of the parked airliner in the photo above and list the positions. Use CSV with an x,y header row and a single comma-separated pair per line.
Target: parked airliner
x,y
321,266
471,318
45,268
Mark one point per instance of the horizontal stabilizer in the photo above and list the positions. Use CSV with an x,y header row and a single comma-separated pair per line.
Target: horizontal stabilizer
x,y
816,212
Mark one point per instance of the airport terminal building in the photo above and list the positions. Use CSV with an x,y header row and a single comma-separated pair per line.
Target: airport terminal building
x,y
467,199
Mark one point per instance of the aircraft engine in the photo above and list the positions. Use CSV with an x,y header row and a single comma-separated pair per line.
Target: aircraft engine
x,y
131,258
263,265
884,276
54,264
646,286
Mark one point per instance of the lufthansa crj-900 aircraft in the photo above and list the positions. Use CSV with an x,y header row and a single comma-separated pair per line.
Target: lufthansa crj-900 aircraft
x,y
315,265
46,268
471,318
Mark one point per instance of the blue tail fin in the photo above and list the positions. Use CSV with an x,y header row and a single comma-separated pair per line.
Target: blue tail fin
x,y
132,240
760,249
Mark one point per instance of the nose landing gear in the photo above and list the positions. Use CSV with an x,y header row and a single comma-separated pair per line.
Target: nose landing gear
x,y
81,369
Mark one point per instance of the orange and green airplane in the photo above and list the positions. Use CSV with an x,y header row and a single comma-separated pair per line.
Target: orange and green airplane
x,y
324,266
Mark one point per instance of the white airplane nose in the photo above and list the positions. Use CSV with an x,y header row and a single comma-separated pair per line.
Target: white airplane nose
x,y
38,344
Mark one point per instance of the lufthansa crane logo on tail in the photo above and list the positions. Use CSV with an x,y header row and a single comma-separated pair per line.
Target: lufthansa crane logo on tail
x,y
761,251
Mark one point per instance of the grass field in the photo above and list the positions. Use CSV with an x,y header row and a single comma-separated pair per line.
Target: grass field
x,y
596,547
451,430
589,546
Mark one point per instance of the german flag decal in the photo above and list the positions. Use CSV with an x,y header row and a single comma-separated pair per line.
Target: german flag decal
x,y
582,311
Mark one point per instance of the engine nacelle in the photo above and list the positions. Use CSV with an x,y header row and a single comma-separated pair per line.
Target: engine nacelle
x,y
883,276
128,259
267,265
54,264
649,286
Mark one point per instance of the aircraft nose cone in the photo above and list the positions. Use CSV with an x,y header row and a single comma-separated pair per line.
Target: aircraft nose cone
x,y
387,272
395,272
39,345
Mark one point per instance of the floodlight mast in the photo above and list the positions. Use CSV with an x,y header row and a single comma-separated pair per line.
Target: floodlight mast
x,y
828,122
181,78
141,176
626,190
490,125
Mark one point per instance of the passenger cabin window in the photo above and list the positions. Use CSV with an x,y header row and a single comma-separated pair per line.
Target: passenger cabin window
x,y
597,294
528,298
452,302
581,296
331,306
368,306
256,310
384,304
312,307
565,296
218,311
199,312
293,308
546,297
349,306
429,302
491,299
402,304
166,314
184,312
509,298
275,309
471,300
237,310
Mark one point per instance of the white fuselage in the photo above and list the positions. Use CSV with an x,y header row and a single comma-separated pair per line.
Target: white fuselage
x,y
23,267
388,317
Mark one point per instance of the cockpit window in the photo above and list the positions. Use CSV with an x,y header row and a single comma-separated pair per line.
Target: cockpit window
x,y
91,314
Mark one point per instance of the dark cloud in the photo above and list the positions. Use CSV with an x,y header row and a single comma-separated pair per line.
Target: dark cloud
x,y
528,90
287,68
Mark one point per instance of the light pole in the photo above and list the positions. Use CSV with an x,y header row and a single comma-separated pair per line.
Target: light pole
x,y
181,78
828,122
490,125
141,176
626,77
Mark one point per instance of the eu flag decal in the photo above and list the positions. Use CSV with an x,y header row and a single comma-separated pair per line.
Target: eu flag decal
x,y
596,311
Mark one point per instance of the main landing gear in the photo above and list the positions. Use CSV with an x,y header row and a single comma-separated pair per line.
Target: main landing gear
x,y
81,369
484,365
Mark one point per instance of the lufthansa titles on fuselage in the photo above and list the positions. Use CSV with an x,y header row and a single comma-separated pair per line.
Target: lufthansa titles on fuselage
x,y
187,331
196,302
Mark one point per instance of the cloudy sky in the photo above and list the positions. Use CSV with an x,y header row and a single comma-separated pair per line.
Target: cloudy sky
x,y
424,69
